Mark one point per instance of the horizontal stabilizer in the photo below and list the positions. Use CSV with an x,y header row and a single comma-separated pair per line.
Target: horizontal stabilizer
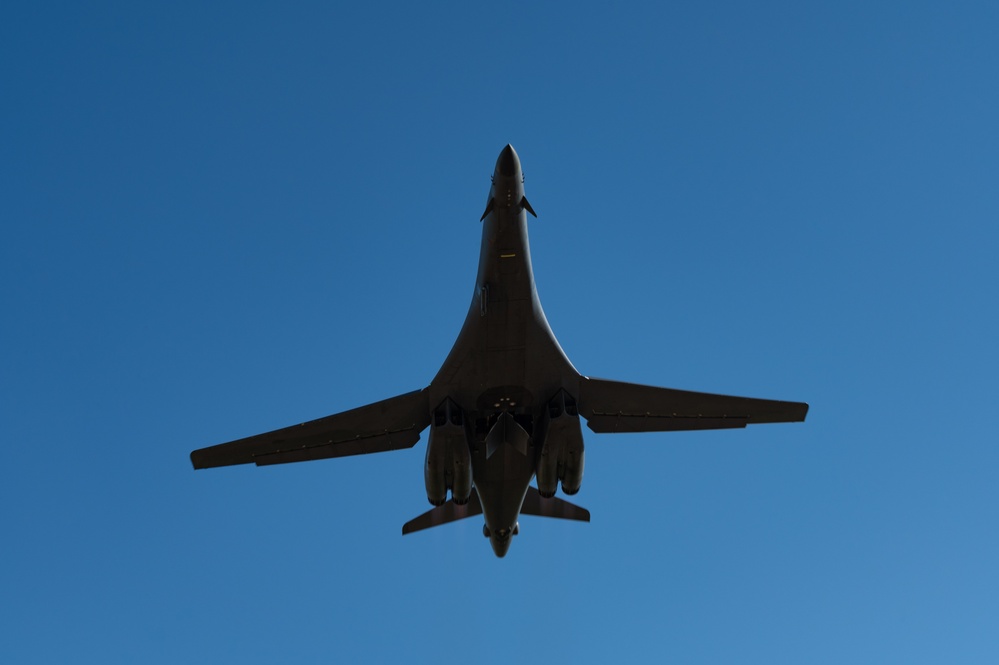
x,y
449,512
615,406
535,504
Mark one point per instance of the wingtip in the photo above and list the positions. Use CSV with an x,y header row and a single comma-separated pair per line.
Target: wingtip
x,y
197,461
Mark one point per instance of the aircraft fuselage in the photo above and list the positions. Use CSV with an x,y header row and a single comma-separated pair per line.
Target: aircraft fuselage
x,y
506,359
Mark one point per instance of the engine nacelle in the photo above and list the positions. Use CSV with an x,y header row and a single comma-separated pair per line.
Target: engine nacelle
x,y
561,457
448,464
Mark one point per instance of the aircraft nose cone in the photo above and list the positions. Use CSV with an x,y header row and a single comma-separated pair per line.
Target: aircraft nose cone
x,y
508,164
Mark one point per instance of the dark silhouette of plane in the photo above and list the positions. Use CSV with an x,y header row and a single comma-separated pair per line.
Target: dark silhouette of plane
x,y
505,407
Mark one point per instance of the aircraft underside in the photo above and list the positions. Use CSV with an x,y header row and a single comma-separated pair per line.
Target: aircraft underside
x,y
506,406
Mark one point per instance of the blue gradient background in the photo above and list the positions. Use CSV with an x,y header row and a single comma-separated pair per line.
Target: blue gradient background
x,y
219,220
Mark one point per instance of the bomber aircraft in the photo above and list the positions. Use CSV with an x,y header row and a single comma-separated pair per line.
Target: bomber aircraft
x,y
506,405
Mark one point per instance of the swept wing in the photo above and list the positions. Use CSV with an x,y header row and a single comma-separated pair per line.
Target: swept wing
x,y
615,406
391,424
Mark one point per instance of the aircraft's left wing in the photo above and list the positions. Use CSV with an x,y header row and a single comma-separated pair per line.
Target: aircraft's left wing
x,y
391,424
615,406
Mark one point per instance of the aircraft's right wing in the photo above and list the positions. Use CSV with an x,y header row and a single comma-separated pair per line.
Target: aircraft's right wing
x,y
391,424
615,406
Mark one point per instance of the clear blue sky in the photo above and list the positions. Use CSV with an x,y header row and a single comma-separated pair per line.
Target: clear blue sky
x,y
219,220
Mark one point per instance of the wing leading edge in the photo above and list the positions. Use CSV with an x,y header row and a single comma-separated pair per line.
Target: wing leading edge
x,y
615,406
390,424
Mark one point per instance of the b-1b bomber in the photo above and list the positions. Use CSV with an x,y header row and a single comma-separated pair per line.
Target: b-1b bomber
x,y
506,407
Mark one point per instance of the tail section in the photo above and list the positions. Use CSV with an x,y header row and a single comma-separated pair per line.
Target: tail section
x,y
449,512
535,504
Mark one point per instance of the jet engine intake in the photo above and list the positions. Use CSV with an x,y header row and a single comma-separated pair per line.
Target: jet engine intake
x,y
561,458
448,464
